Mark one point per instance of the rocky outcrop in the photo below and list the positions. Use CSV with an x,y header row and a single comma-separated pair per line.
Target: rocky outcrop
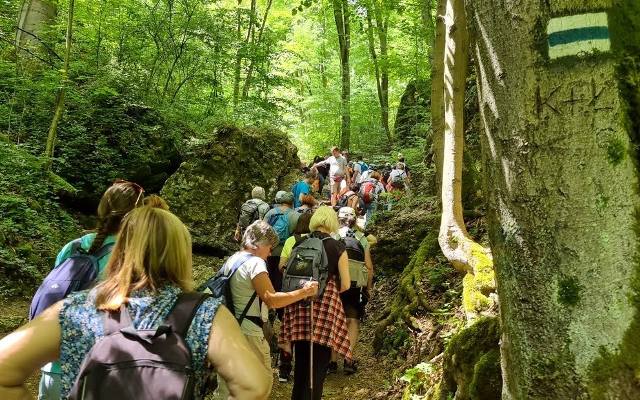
x,y
217,176
413,118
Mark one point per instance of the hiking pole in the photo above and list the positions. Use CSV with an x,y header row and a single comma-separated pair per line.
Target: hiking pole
x,y
311,352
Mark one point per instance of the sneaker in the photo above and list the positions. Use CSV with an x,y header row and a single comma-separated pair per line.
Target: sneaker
x,y
350,368
333,368
283,377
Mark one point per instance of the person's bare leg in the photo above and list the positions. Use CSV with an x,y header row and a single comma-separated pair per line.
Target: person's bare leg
x,y
353,327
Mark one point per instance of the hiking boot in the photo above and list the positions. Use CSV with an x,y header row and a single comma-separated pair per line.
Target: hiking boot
x,y
350,368
333,368
283,377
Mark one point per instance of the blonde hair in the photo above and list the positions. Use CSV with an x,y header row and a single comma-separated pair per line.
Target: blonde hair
x,y
153,249
326,218
156,201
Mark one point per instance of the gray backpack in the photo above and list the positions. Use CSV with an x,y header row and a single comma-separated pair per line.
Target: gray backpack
x,y
308,262
141,364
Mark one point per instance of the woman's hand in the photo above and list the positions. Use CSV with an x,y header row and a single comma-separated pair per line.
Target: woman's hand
x,y
310,288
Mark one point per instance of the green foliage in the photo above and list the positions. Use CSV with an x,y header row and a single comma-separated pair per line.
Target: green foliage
x,y
33,227
419,379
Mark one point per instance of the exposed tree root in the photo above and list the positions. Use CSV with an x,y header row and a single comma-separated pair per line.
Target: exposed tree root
x,y
408,298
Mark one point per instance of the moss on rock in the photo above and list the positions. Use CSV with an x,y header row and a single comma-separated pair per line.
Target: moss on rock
x,y
471,367
217,176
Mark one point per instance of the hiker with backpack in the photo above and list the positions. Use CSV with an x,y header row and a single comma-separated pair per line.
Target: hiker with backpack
x,y
319,326
349,197
308,204
285,353
359,168
251,210
81,262
369,193
283,220
142,324
338,172
355,299
322,170
398,179
302,187
250,286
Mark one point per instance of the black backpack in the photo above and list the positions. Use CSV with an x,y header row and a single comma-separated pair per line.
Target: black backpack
x,y
78,272
354,248
308,262
220,286
141,364
249,212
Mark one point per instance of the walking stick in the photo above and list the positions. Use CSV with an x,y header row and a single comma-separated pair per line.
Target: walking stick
x,y
311,353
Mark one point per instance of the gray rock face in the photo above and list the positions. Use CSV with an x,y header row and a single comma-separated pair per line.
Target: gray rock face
x,y
217,176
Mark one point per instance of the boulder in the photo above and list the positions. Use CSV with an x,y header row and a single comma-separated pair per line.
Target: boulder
x,y
217,175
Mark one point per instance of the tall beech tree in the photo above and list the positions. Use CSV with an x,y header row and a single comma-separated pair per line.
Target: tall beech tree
x,y
341,14
559,98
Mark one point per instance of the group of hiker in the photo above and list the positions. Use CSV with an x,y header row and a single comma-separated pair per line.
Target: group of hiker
x,y
119,316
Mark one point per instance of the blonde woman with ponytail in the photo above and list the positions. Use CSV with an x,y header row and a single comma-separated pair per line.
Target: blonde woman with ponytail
x,y
149,268
120,198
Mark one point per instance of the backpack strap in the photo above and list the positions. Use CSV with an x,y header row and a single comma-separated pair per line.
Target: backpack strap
x,y
246,308
184,311
104,250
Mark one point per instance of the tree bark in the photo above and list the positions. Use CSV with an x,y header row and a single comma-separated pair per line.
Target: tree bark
x,y
53,128
560,139
341,15
247,80
35,16
381,67
437,92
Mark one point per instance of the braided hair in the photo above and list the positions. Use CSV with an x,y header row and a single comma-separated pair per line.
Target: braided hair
x,y
120,198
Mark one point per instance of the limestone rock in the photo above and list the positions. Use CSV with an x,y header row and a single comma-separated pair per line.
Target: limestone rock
x,y
217,176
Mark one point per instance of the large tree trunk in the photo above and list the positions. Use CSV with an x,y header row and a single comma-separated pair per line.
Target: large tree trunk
x,y
437,93
562,196
35,16
59,108
341,15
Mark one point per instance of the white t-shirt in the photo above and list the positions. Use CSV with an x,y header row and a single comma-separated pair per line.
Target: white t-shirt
x,y
337,165
242,289
365,175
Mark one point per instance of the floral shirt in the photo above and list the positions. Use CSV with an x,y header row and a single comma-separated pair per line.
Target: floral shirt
x,y
82,326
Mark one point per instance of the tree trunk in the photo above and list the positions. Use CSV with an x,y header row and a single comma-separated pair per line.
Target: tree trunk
x,y
53,128
341,15
559,105
247,81
35,16
437,92
381,67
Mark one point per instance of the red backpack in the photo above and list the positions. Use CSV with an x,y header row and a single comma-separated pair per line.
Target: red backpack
x,y
367,191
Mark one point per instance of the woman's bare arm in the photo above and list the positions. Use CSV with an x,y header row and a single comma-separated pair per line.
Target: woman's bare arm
x,y
343,269
266,292
27,349
233,358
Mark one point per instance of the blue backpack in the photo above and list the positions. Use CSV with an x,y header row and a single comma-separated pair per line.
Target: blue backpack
x,y
363,166
220,287
78,272
280,223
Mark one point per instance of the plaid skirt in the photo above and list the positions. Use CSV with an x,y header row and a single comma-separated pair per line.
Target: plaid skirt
x,y
329,322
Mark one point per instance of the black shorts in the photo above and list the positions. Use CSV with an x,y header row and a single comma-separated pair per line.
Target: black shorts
x,y
353,302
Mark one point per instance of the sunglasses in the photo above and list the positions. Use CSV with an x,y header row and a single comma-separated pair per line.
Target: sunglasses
x,y
134,185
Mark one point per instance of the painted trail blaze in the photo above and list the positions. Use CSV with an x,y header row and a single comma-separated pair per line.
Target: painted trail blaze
x,y
578,35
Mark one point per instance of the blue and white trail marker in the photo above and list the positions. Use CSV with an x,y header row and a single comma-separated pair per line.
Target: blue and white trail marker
x,y
577,35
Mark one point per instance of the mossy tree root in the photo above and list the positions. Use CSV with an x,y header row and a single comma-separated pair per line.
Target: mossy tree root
x,y
408,298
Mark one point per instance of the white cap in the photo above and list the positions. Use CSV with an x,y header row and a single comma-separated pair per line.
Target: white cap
x,y
346,212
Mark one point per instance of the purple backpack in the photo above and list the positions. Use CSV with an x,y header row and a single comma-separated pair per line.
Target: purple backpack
x,y
78,272
141,364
